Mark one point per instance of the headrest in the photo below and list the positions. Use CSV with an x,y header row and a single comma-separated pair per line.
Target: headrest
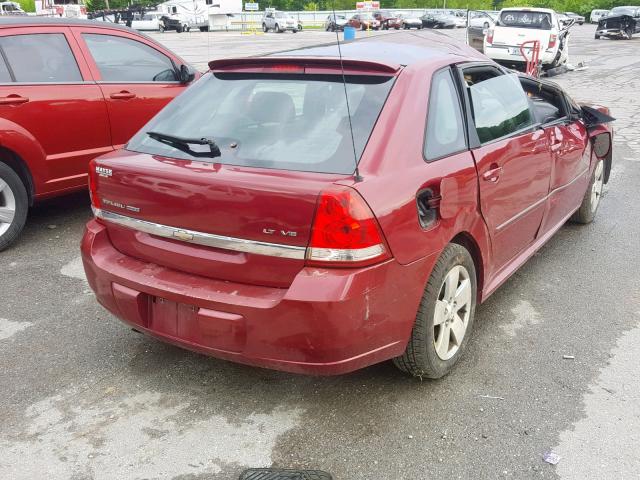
x,y
272,107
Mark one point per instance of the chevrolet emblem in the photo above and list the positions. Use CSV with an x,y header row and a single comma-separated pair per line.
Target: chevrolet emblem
x,y
182,235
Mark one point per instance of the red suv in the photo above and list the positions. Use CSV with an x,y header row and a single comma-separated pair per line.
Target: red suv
x,y
237,224
71,90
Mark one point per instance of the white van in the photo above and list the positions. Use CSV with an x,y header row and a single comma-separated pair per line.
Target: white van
x,y
596,15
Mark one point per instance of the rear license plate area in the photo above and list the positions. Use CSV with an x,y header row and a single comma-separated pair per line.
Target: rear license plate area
x,y
173,319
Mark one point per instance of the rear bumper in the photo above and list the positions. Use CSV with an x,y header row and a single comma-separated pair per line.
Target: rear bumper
x,y
503,53
327,322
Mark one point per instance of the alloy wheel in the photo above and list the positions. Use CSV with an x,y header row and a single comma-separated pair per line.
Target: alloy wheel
x,y
452,312
596,188
7,207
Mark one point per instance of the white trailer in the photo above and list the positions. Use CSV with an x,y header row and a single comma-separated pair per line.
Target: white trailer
x,y
202,14
61,8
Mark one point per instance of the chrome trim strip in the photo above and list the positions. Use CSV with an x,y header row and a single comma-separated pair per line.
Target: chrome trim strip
x,y
200,238
345,255
543,199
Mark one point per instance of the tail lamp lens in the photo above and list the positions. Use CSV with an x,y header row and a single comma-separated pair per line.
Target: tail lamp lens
x,y
553,38
345,232
490,36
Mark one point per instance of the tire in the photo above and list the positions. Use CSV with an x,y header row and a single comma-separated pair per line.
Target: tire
x,y
423,357
591,200
597,37
295,30
204,29
14,205
277,29
628,33
179,29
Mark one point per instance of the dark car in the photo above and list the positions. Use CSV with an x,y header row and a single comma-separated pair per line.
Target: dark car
x,y
71,90
621,22
335,23
438,20
266,216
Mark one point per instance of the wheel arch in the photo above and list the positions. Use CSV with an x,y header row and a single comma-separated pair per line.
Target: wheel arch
x,y
466,240
18,165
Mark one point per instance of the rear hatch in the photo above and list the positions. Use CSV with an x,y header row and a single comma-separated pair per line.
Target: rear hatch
x,y
515,27
239,205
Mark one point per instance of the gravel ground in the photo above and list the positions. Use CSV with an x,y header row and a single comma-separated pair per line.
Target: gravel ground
x,y
83,397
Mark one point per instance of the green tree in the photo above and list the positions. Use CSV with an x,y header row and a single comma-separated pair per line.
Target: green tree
x,y
27,5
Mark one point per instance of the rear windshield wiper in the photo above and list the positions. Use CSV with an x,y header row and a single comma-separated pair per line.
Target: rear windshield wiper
x,y
182,144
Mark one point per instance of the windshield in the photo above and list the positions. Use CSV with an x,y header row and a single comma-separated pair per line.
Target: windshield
x,y
622,11
291,122
526,19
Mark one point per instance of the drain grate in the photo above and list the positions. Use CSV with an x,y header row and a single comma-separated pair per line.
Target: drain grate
x,y
283,474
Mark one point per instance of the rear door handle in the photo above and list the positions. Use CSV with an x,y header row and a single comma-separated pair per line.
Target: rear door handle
x,y
493,174
123,95
13,100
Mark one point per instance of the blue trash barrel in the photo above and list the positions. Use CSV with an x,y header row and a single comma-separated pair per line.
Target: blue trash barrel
x,y
349,33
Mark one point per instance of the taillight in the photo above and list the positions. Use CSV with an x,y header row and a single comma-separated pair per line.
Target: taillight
x,y
552,40
93,185
345,232
490,36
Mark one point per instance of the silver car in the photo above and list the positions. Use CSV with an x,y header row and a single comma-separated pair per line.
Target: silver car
x,y
280,22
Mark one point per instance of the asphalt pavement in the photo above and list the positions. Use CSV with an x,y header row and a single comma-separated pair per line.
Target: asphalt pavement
x,y
84,397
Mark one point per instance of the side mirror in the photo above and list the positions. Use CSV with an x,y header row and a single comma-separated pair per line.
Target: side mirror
x,y
602,145
187,74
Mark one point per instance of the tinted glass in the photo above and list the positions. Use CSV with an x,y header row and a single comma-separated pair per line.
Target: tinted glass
x,y
526,19
623,11
42,57
294,122
445,129
500,107
124,60
5,76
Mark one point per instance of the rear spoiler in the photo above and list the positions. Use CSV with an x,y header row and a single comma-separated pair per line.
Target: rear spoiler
x,y
302,65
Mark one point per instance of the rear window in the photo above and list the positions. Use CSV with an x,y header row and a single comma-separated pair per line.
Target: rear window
x,y
291,122
526,19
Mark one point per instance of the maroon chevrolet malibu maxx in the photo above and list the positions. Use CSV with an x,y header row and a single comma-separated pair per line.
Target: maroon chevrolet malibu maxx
x,y
236,224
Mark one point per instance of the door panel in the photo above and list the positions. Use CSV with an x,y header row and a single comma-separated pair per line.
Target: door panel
x,y
568,149
570,171
53,98
137,78
514,181
512,158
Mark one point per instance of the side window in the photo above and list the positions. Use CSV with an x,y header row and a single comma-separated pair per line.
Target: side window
x,y
445,128
40,57
5,75
121,59
499,105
